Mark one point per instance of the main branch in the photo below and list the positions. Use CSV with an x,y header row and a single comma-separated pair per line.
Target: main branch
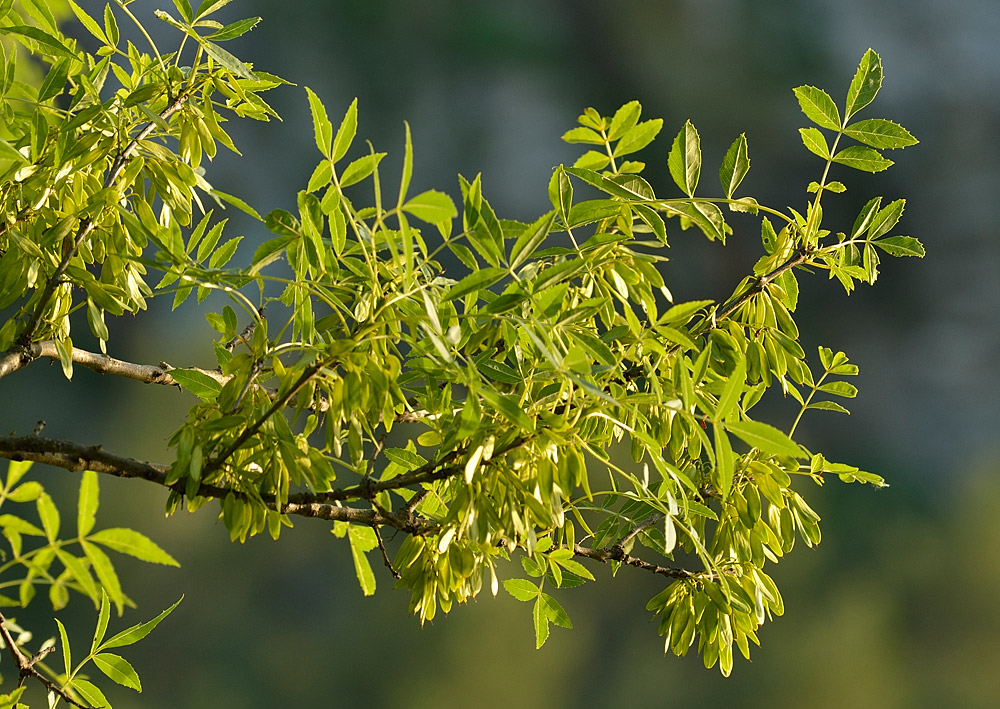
x,y
77,458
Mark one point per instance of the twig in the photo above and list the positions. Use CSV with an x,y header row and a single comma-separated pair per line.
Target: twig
x,y
26,666
616,553
648,522
385,556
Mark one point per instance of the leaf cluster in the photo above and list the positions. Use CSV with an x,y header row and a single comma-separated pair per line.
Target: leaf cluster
x,y
487,387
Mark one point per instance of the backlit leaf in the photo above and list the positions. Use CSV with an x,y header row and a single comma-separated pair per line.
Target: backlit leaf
x,y
735,166
862,158
865,85
818,107
880,133
684,160
765,437
432,207
133,543
117,669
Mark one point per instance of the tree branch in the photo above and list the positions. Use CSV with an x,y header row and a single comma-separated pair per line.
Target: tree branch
x,y
616,553
26,666
77,458
100,363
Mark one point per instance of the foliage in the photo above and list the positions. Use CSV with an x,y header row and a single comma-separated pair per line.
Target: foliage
x,y
356,380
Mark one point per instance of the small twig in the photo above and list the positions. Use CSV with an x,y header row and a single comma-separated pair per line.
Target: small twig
x,y
648,522
616,553
26,665
385,556
245,335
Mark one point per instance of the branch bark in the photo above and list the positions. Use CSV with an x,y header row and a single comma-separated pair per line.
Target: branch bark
x,y
10,362
26,666
616,553
77,458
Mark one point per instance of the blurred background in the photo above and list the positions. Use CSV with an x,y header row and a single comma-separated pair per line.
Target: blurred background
x,y
896,608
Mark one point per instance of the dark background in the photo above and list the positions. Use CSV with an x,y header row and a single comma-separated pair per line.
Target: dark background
x,y
896,608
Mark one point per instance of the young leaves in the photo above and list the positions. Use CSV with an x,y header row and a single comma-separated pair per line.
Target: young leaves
x,y
322,128
818,107
865,85
875,133
684,160
735,166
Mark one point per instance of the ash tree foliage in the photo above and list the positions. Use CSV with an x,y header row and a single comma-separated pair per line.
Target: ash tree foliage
x,y
447,389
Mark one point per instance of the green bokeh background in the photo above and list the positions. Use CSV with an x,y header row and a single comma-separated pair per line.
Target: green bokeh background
x,y
896,608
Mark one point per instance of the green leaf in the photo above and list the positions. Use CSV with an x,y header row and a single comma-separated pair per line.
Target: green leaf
x,y
198,383
234,30
724,461
360,169
282,222
345,134
844,389
886,219
363,539
106,574
880,133
64,641
638,137
9,152
828,406
207,7
221,256
555,612
583,135
684,160
49,514
735,166
521,589
79,572
322,128
88,22
86,509
510,409
474,282
731,392
117,669
530,239
227,60
133,543
238,203
901,246
813,139
89,691
55,81
865,85
765,437
541,621
862,158
432,207
818,107
623,120
407,173
407,459
110,26
575,567
184,7
47,41
102,622
137,632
